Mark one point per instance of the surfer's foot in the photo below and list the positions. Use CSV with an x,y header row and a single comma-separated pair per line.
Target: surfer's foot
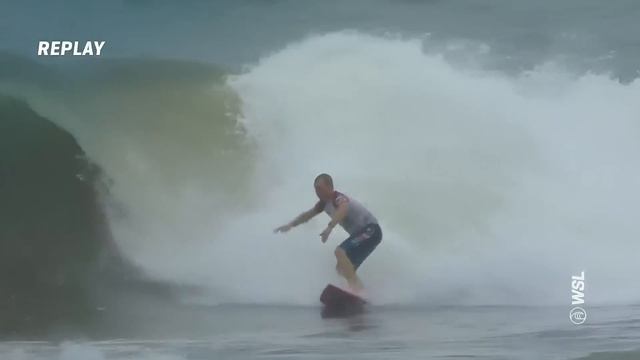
x,y
356,288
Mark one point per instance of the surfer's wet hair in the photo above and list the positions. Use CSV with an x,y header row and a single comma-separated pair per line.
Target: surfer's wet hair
x,y
325,178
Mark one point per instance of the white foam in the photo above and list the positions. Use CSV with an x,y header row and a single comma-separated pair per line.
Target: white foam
x,y
490,188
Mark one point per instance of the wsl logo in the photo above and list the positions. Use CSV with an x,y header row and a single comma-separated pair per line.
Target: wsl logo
x,y
577,315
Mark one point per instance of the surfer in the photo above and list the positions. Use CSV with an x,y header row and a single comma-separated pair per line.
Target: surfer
x,y
364,232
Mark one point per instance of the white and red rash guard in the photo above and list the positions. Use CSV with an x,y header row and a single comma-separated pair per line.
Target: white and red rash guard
x,y
357,215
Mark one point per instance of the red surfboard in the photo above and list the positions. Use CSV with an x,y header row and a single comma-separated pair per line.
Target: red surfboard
x,y
340,303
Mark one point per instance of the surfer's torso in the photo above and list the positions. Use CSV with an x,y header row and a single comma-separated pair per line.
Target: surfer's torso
x,y
357,218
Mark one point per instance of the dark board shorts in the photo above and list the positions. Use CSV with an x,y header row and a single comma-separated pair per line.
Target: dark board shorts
x,y
360,244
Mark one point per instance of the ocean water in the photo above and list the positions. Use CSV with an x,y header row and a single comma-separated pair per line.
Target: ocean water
x,y
496,142
286,332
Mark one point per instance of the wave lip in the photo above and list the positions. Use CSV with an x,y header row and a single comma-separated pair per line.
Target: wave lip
x,y
53,231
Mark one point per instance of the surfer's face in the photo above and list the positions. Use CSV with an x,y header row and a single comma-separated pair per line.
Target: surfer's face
x,y
323,190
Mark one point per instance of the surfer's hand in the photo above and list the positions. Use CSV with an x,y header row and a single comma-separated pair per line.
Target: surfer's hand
x,y
325,234
283,228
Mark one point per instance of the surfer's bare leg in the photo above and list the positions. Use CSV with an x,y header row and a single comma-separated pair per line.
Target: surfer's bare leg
x,y
347,270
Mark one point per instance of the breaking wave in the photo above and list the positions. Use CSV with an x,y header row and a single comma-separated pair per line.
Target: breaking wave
x,y
490,188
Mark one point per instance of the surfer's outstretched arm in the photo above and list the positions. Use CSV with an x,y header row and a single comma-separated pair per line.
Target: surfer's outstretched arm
x,y
300,219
